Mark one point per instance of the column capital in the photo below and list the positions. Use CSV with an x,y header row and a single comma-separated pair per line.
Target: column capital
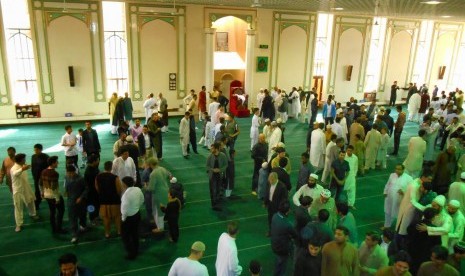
x,y
251,32
209,30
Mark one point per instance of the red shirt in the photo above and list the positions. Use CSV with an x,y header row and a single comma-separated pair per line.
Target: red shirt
x,y
202,101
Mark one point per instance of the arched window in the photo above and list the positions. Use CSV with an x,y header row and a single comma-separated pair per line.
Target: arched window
x,y
116,62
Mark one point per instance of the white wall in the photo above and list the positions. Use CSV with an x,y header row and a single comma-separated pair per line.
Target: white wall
x,y
443,57
350,47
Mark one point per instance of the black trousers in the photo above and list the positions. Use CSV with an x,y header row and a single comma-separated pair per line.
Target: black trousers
x,y
256,170
215,188
392,101
57,210
193,142
76,213
37,193
173,224
130,234
396,141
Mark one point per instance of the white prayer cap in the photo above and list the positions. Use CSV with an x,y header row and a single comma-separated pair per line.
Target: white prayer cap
x,y
382,108
198,246
328,126
462,176
264,165
279,120
261,89
274,123
435,116
339,110
280,145
314,176
267,120
174,180
440,200
454,203
325,193
129,139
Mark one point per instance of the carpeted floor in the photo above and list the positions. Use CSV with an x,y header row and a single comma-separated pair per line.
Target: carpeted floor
x,y
34,251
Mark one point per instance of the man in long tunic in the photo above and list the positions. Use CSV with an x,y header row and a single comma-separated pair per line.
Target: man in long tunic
x,y
372,143
184,133
149,107
393,193
127,106
457,192
325,202
275,138
159,186
318,147
340,257
416,150
154,128
356,128
350,183
414,107
294,98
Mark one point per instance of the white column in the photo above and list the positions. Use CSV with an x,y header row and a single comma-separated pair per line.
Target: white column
x,y
249,63
209,51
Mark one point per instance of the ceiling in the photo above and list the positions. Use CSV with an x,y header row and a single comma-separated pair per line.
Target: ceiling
x,y
391,8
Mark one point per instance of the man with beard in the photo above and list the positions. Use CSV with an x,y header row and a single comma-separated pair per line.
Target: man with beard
x,y
312,189
340,257
456,235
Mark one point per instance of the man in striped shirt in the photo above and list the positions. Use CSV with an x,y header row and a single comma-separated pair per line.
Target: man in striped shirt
x,y
50,191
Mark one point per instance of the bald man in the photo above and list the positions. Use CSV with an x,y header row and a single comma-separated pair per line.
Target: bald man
x,y
259,155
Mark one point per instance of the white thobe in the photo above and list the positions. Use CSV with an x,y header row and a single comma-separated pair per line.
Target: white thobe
x,y
267,133
295,105
314,193
184,134
349,185
392,197
123,168
275,138
407,206
254,130
456,234
309,108
212,108
336,128
414,161
317,148
413,106
345,130
328,161
372,143
260,98
432,133
149,106
443,226
457,192
22,193
227,263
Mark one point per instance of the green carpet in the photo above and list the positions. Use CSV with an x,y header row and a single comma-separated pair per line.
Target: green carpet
x,y
35,250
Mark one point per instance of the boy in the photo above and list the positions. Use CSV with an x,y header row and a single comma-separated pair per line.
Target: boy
x,y
172,210
262,180
79,147
76,191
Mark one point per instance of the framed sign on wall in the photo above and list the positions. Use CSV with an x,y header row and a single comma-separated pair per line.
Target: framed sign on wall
x,y
262,64
172,81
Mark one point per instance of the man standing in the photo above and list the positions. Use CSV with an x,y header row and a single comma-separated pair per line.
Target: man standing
x,y
325,202
312,189
150,106
393,193
22,192
39,162
276,193
416,150
457,192
163,106
184,133
413,107
131,200
259,155
217,162
254,128
339,171
438,264
92,199
145,143
456,235
127,106
350,183
394,88
124,165
76,191
227,263
91,143
51,192
372,256
339,256
202,104
318,147
190,265
155,129
348,221
372,143
399,127
7,164
68,141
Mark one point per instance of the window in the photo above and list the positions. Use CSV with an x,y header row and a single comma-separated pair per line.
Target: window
x,y
322,45
375,55
116,52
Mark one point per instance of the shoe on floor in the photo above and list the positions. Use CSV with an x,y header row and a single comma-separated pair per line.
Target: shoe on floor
x,y
18,229
74,240
254,193
157,231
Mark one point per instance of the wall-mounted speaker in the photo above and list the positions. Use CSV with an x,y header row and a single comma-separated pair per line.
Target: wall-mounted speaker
x,y
72,83
442,71
349,72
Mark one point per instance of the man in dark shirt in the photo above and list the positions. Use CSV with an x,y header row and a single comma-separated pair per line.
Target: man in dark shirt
x,y
259,155
282,234
90,174
76,190
394,88
339,171
308,261
38,164
302,218
91,143
388,120
276,193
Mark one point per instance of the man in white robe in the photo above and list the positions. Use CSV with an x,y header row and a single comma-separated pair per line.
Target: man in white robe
x,y
350,183
458,224
408,205
328,160
432,129
150,106
372,143
260,97
457,192
124,165
227,262
309,107
294,100
212,108
416,150
393,191
254,128
413,107
184,133
337,128
443,223
312,189
267,130
275,138
318,147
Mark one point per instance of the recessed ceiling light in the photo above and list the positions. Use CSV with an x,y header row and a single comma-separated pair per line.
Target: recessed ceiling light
x,y
432,2
446,16
337,9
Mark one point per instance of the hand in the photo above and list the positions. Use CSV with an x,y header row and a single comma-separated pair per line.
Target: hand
x,y
78,200
26,167
422,227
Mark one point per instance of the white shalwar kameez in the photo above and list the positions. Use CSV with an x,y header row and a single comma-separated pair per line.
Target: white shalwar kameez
x,y
309,108
413,107
318,149
431,134
254,131
328,161
123,168
22,194
149,106
227,263
275,138
407,206
184,135
392,197
350,184
295,107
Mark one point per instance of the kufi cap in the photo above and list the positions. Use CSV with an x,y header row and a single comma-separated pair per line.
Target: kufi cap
x,y
281,144
462,176
264,165
129,139
174,180
440,200
382,108
436,116
279,120
198,246
267,120
454,203
274,123
314,176
325,193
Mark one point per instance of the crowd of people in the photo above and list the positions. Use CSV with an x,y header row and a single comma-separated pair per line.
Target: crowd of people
x,y
424,198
